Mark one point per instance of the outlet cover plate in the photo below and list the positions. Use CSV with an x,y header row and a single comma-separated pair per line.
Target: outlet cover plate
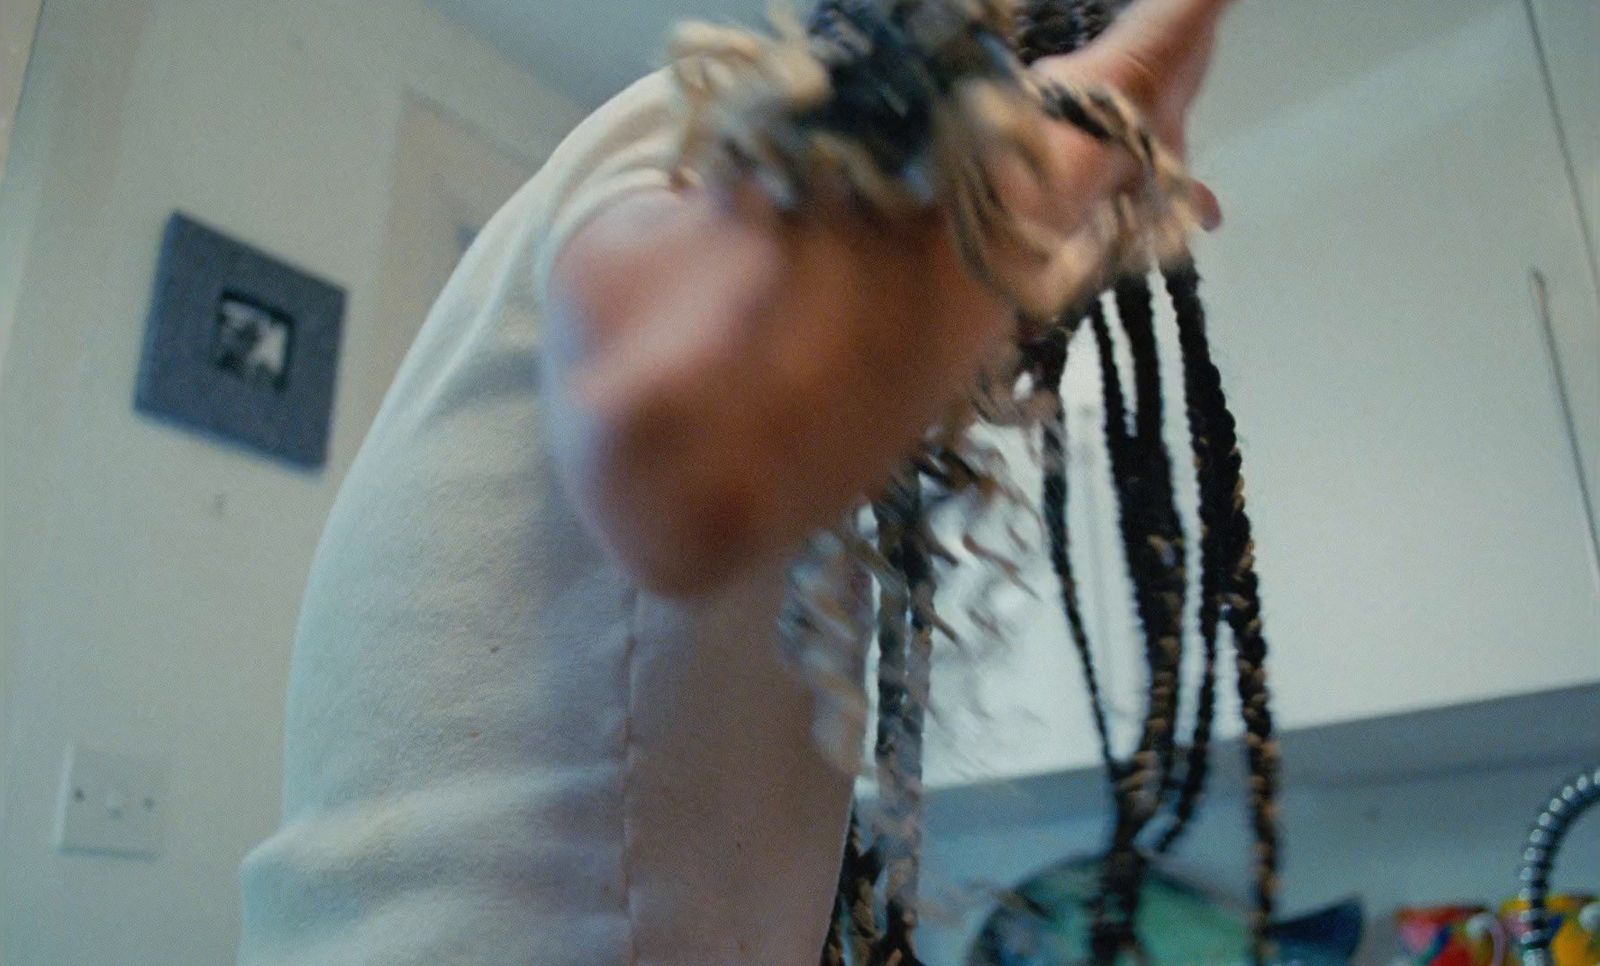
x,y
111,804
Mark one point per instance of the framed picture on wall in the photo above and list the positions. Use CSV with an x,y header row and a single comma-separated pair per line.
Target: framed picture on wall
x,y
240,345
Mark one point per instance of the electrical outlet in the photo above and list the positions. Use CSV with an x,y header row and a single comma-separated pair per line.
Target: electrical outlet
x,y
111,804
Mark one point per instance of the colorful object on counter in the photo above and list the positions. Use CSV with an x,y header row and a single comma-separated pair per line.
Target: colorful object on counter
x,y
1045,921
1465,935
1460,935
1575,924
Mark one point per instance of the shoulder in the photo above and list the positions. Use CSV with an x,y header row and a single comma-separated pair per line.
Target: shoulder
x,y
629,144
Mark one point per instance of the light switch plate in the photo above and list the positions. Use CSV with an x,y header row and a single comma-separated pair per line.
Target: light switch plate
x,y
111,804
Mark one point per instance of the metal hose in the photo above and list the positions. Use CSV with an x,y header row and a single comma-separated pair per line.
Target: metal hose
x,y
1569,801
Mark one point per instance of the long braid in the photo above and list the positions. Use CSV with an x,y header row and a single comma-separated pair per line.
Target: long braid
x,y
1213,497
1154,546
853,909
1047,362
855,906
1148,553
904,867
833,953
896,520
1163,542
905,642
1240,590
1115,907
1123,466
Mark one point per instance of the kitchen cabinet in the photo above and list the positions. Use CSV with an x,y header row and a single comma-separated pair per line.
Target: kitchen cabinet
x,y
1568,34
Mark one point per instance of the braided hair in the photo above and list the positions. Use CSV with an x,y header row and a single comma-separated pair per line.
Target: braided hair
x,y
1223,514
1157,789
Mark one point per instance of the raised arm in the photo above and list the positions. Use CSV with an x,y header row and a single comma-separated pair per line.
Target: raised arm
x,y
733,381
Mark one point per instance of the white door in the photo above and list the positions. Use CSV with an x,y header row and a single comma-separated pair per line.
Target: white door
x,y
447,181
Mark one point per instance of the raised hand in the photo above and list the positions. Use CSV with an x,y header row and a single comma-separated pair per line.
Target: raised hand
x,y
1156,53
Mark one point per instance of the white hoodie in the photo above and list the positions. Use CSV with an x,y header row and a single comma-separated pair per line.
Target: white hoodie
x,y
499,750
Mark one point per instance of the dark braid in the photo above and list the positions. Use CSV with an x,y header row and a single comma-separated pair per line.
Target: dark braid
x,y
1128,474
1047,361
1161,536
1153,545
1213,500
1135,308
897,517
1115,906
853,907
833,943
1240,589
1153,541
905,624
1228,588
904,865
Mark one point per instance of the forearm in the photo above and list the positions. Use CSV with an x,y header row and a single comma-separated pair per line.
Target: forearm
x,y
745,380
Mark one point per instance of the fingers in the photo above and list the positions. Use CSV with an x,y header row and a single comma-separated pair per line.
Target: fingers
x,y
1156,54
1210,208
1168,40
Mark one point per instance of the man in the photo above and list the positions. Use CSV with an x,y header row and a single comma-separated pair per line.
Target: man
x,y
537,713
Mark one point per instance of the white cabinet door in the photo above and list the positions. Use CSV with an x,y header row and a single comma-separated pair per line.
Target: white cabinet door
x,y
1568,32
1421,537
1391,176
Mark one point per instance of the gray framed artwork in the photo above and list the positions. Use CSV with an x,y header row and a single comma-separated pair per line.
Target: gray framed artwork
x,y
240,345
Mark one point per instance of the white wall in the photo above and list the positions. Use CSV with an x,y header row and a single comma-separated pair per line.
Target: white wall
x,y
1422,841
151,579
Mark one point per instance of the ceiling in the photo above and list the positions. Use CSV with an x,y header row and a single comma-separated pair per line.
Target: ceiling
x,y
589,49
